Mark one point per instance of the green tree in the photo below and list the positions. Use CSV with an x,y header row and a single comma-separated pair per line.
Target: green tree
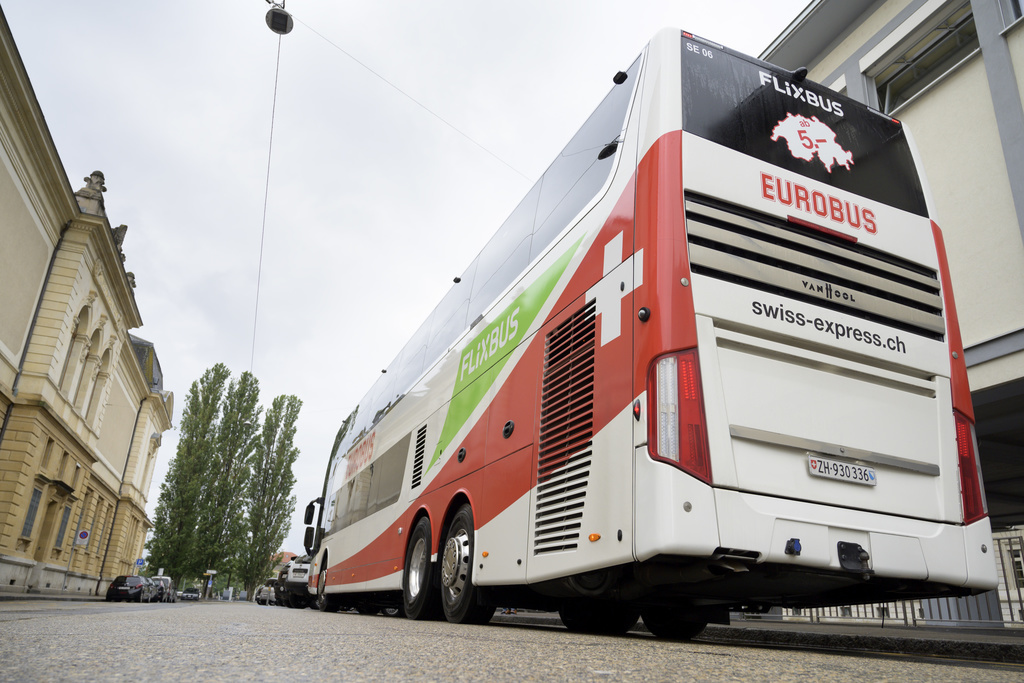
x,y
221,530
270,504
174,542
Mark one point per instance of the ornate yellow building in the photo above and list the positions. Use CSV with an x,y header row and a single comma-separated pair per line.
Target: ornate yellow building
x,y
81,399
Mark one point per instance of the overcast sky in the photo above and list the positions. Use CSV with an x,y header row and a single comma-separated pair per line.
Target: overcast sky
x,y
375,203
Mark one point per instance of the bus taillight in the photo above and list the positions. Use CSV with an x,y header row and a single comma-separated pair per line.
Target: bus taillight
x,y
677,427
972,490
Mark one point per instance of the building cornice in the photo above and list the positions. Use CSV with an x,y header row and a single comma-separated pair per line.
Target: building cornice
x,y
107,269
28,144
817,27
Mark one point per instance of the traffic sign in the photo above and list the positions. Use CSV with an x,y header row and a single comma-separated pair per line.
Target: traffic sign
x,y
139,562
82,538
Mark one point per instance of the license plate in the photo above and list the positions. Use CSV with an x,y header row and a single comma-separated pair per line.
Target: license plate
x,y
843,471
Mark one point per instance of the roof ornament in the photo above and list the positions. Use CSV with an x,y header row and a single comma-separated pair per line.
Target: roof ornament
x,y
90,197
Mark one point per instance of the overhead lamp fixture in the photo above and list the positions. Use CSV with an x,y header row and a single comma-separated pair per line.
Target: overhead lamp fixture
x,y
279,21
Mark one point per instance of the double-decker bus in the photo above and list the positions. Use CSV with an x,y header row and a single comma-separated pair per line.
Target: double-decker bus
x,y
710,362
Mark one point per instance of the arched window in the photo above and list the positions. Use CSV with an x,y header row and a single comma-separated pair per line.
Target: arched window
x,y
90,368
99,387
76,345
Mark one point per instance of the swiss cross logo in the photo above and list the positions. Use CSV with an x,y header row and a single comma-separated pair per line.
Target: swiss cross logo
x,y
814,464
808,138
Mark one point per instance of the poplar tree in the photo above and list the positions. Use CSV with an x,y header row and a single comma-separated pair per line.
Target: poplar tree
x,y
174,544
221,530
269,502
227,500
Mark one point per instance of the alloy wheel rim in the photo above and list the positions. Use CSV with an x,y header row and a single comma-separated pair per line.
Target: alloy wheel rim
x,y
418,567
455,564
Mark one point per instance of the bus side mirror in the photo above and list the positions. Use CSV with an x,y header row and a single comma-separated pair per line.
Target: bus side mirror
x,y
307,541
310,509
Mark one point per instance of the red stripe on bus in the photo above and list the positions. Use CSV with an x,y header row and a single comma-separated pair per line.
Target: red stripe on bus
x,y
957,363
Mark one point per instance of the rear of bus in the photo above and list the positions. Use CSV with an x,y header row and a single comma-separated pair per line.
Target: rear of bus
x,y
808,436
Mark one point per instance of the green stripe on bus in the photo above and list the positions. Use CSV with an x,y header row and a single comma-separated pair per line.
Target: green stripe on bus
x,y
487,353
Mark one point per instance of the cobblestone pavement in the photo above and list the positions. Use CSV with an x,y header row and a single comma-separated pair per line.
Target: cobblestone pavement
x,y
94,641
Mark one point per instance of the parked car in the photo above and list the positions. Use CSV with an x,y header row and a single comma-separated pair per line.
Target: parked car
x,y
158,589
167,589
190,594
265,595
292,584
133,588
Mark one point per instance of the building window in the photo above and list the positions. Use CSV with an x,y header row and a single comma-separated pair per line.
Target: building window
x,y
47,455
59,542
927,59
1018,567
1011,11
30,518
97,529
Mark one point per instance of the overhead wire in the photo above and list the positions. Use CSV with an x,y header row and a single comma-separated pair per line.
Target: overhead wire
x,y
266,196
412,99
270,150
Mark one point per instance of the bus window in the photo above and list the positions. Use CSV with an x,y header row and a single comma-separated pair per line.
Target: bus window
x,y
506,256
449,318
387,473
576,176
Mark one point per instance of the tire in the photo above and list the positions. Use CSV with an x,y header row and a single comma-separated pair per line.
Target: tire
x,y
458,594
603,618
324,602
420,599
664,623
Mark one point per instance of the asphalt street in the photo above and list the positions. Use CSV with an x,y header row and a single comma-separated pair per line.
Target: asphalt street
x,y
92,641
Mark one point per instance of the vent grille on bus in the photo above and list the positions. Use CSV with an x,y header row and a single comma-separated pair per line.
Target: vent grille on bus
x,y
417,460
769,254
566,432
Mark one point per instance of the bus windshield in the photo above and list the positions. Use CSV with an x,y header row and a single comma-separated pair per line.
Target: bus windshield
x,y
763,111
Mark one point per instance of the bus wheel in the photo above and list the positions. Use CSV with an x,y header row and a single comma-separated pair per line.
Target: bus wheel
x,y
664,624
458,594
325,602
419,600
605,618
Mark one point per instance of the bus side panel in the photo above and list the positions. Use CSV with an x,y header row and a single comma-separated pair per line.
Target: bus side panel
x,y
675,513
501,527
581,507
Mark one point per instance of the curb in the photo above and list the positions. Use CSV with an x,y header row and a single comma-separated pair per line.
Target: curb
x,y
955,649
6,597
848,642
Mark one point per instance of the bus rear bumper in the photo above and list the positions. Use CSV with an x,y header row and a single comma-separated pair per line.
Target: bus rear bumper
x,y
896,547
820,538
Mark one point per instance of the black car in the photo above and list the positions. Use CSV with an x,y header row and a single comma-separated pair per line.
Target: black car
x,y
134,588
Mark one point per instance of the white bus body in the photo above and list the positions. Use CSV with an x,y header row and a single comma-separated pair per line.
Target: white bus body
x,y
711,362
